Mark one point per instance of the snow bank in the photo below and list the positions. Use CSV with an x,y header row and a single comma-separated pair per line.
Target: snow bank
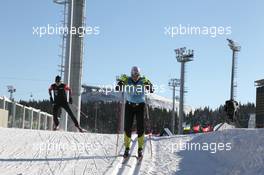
x,y
244,157
223,127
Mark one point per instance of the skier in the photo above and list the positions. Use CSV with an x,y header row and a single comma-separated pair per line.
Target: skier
x,y
60,101
135,88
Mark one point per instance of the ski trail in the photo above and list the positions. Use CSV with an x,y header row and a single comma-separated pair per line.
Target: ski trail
x,y
131,167
127,167
117,166
145,156
87,163
26,152
47,152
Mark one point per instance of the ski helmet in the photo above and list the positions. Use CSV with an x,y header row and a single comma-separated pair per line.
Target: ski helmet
x,y
57,79
135,71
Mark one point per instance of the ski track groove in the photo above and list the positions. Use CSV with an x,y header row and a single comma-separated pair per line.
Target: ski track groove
x,y
122,168
47,151
58,142
139,164
37,154
31,162
87,152
61,156
115,161
84,170
75,154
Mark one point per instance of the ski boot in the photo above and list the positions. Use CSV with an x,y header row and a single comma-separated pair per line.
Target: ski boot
x,y
140,154
81,129
126,154
55,128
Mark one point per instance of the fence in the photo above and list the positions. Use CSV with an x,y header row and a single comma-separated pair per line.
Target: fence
x,y
20,116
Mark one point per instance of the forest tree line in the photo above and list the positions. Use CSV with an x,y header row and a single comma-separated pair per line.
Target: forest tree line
x,y
104,117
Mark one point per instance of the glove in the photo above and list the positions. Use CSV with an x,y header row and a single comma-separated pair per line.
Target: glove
x,y
119,86
70,100
51,100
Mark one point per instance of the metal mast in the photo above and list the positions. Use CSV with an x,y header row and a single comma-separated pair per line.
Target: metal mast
x,y
74,54
173,83
235,48
11,89
183,56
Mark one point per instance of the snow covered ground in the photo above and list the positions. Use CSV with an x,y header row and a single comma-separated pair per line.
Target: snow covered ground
x,y
30,152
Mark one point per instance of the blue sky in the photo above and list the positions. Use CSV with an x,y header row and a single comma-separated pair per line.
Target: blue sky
x,y
132,33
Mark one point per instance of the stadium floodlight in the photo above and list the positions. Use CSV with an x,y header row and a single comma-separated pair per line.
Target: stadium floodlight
x,y
233,45
173,83
60,1
183,56
259,83
231,105
11,89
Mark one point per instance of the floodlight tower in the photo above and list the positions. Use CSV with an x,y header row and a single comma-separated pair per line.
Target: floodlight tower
x,y
74,54
234,46
64,34
173,83
183,56
11,89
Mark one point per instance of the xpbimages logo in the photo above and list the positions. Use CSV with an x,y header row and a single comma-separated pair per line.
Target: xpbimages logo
x,y
61,30
183,30
213,147
138,89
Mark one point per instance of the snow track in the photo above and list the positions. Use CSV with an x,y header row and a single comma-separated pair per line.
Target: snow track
x,y
25,152
131,166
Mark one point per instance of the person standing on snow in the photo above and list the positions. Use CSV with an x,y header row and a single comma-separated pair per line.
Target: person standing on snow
x,y
135,88
60,101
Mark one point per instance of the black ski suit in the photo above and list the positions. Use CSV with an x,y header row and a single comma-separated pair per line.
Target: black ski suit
x,y
60,101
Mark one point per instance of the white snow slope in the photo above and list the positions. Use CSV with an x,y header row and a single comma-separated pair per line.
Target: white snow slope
x,y
31,152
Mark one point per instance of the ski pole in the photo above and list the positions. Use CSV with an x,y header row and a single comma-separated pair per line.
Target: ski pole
x,y
117,139
118,128
149,126
219,126
150,144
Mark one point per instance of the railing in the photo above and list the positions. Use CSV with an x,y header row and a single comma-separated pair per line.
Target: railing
x,y
20,116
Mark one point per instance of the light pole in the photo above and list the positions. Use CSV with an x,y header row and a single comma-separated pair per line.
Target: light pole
x,y
235,48
173,83
182,56
231,105
96,115
11,89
